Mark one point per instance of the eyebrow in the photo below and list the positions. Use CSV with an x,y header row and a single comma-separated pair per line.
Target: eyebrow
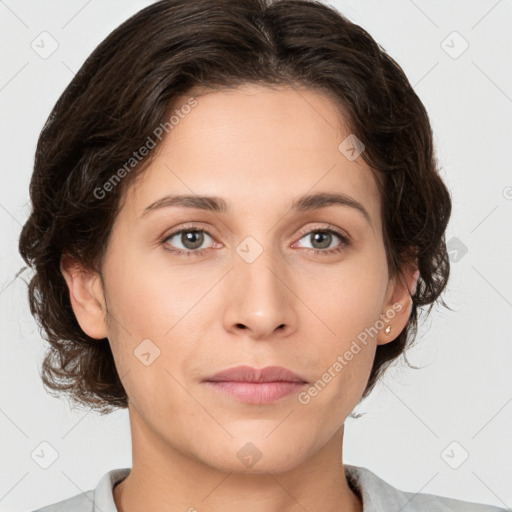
x,y
219,205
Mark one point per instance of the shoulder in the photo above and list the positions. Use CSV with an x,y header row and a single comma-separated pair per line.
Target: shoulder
x,y
100,498
377,496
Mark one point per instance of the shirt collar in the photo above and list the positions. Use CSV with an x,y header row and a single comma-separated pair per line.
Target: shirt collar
x,y
103,494
376,494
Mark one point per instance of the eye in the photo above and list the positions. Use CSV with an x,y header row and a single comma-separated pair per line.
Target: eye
x,y
190,238
324,239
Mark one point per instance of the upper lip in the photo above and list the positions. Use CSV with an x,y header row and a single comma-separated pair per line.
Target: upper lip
x,y
250,374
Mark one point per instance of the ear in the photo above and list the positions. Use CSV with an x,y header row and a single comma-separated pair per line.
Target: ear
x,y
398,303
86,296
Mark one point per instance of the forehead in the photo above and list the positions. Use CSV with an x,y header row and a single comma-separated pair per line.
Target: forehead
x,y
257,147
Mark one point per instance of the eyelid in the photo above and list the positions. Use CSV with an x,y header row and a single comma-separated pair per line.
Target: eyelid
x,y
326,227
190,226
199,226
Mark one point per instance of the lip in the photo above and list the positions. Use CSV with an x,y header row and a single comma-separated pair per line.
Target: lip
x,y
249,374
256,386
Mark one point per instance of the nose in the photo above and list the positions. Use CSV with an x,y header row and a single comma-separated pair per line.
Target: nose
x,y
259,299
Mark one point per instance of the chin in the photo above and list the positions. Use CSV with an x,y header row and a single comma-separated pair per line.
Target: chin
x,y
257,456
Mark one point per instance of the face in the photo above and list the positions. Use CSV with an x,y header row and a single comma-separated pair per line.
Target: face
x,y
265,281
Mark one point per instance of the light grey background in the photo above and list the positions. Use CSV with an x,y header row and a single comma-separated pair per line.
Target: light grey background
x,y
463,394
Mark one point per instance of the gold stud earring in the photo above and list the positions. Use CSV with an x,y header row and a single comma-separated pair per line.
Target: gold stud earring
x,y
387,330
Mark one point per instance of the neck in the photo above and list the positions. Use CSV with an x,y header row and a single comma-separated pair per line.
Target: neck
x,y
164,478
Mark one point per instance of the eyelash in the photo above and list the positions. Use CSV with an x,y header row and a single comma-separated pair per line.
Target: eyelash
x,y
345,242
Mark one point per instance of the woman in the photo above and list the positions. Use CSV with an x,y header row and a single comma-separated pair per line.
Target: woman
x,y
215,171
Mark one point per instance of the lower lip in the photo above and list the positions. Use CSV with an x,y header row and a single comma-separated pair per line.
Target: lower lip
x,y
257,392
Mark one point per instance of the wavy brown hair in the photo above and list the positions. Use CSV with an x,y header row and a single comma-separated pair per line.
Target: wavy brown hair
x,y
128,86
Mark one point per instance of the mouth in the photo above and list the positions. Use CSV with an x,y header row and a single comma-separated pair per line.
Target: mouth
x,y
256,386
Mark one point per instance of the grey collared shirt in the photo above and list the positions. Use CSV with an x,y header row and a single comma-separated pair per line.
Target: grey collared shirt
x,y
376,495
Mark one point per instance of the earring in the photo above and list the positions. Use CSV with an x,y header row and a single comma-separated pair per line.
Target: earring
x,y
387,330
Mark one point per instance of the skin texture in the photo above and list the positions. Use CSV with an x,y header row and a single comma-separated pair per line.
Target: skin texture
x,y
259,149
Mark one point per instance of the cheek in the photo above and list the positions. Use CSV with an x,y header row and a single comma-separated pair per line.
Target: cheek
x,y
347,298
150,337
347,304
158,315
149,297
